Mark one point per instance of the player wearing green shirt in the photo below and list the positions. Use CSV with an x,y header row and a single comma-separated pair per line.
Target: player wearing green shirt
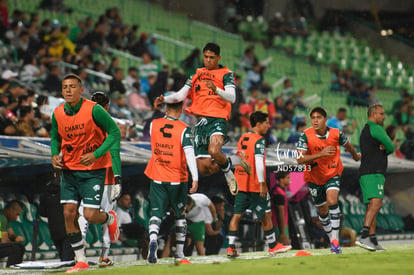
x,y
375,148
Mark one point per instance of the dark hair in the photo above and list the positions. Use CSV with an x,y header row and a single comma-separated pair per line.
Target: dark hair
x,y
300,124
319,110
213,47
100,97
390,129
175,106
72,76
13,204
258,117
342,110
281,174
24,110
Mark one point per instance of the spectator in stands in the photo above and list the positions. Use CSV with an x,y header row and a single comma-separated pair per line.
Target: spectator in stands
x,y
405,98
7,121
279,200
12,94
407,147
140,47
116,84
11,244
4,18
359,95
404,116
287,91
375,146
53,82
276,27
131,81
338,82
31,71
192,62
51,209
153,48
79,32
263,104
95,39
294,137
339,121
288,115
200,214
148,66
298,26
118,107
254,78
212,241
300,100
22,44
115,38
27,122
248,59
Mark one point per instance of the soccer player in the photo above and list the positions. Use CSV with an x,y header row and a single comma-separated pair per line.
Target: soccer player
x,y
253,193
172,150
375,147
112,190
318,148
212,90
83,132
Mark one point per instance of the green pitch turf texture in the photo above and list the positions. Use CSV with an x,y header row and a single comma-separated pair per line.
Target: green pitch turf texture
x,y
398,259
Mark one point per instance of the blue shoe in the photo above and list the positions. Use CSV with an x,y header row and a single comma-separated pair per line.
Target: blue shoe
x,y
152,253
335,247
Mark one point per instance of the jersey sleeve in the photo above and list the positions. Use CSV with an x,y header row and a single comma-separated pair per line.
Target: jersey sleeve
x,y
302,142
189,81
187,138
228,80
104,120
343,139
260,146
379,134
55,139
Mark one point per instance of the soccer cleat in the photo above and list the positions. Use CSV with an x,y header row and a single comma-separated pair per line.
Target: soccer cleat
x,y
243,163
366,243
105,262
335,247
232,252
113,228
182,261
79,266
152,253
231,182
379,248
279,248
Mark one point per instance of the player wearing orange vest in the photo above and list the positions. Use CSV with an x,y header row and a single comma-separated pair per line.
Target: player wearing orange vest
x,y
253,193
318,147
212,90
79,129
112,190
172,150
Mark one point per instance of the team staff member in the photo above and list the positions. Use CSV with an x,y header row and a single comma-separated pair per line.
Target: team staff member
x,y
375,147
11,244
83,132
253,192
212,91
172,150
318,147
112,190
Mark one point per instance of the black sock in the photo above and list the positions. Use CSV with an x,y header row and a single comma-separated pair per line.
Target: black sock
x,y
373,239
365,232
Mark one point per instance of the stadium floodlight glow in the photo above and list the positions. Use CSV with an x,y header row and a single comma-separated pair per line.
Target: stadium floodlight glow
x,y
383,33
389,32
